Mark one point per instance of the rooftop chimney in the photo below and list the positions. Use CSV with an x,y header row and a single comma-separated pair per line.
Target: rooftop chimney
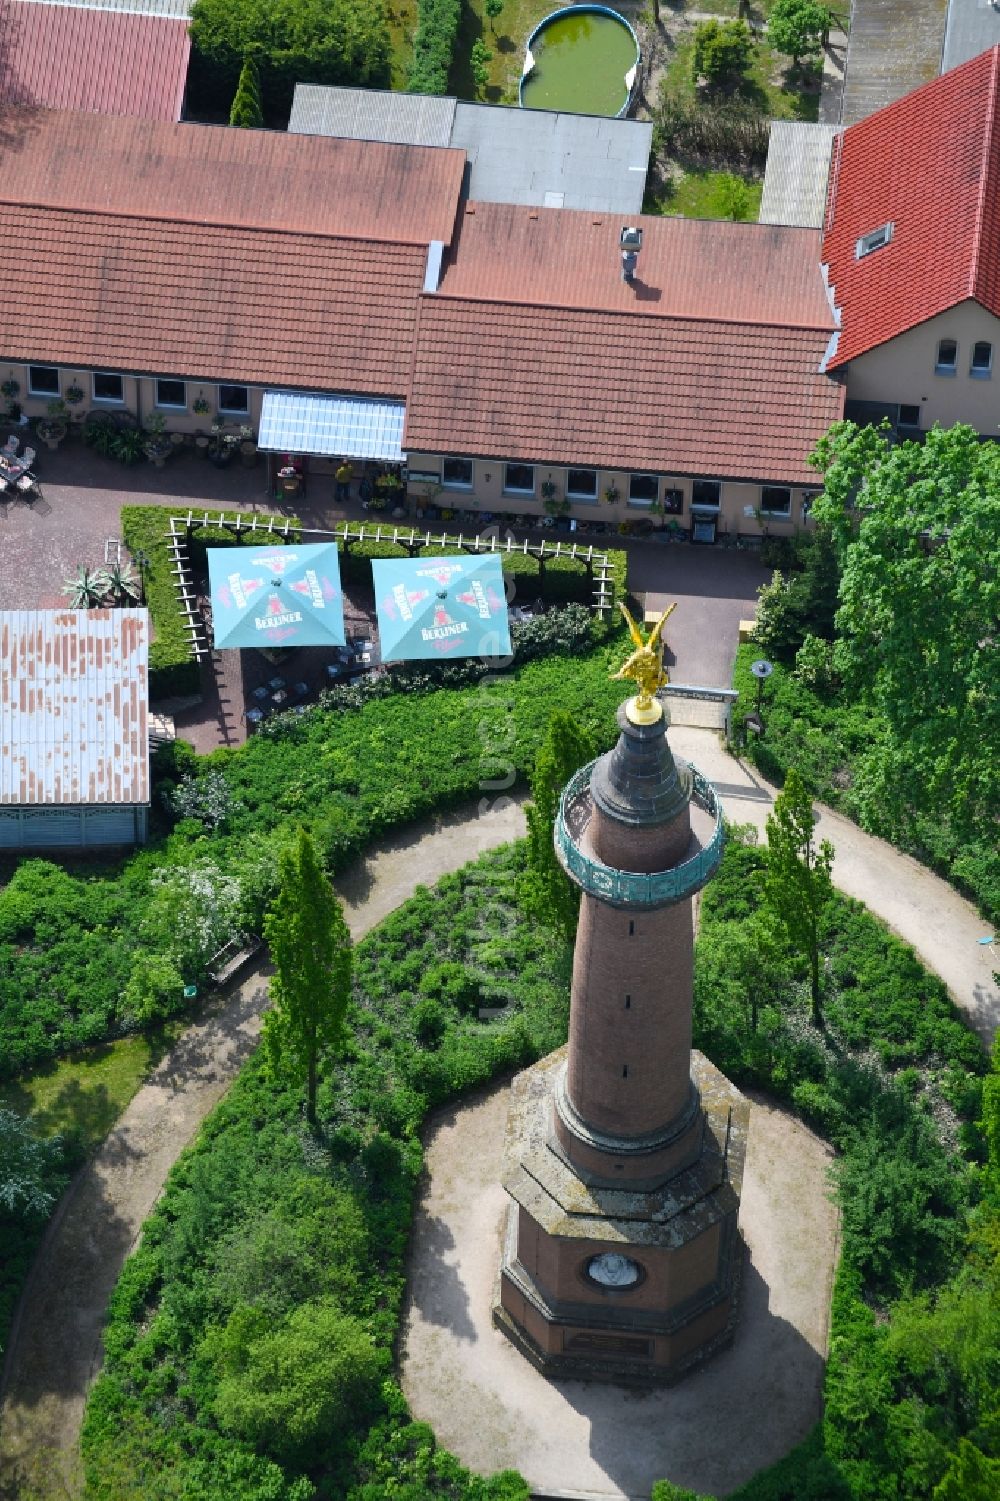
x,y
631,243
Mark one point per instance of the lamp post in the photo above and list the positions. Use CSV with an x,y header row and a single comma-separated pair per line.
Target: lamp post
x,y
142,563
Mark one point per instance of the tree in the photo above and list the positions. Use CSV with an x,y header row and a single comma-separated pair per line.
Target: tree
x,y
311,951
30,1181
797,883
480,60
917,531
723,51
493,9
734,195
291,41
546,890
798,27
246,111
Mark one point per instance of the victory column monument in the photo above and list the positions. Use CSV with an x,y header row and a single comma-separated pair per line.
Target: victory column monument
x,y
624,1152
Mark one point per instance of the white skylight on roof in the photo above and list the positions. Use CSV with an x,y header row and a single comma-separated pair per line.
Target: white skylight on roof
x,y
873,240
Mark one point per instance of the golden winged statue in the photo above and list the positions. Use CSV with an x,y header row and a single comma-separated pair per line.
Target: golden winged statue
x,y
645,668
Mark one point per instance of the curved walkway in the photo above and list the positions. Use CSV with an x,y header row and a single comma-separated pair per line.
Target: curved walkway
x,y
55,1344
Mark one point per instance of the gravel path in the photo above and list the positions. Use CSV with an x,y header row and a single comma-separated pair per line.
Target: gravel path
x,y
55,1343
55,1346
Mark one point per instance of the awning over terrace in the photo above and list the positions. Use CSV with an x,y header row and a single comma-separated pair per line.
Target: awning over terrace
x,y
354,427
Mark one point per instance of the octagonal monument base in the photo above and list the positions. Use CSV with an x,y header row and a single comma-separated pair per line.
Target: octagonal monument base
x,y
683,1236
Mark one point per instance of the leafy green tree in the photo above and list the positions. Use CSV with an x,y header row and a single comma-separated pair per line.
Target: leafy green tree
x,y
246,110
291,41
294,1390
493,9
917,527
311,950
546,890
797,884
480,59
798,27
723,51
29,1165
971,1476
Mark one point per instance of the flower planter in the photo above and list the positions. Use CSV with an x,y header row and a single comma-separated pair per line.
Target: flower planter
x,y
52,433
248,453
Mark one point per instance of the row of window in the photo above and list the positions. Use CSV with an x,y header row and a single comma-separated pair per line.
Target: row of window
x,y
980,365
581,486
43,380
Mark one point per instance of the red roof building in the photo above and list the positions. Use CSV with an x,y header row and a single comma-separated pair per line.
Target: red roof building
x,y
111,62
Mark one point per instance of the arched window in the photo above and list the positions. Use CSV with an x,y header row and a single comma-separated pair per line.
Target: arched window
x,y
947,357
982,360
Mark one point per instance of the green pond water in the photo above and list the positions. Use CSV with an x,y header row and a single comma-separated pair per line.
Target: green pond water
x,y
580,65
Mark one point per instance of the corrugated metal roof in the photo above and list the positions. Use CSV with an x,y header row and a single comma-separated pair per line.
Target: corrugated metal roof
x,y
211,174
74,707
109,62
521,155
798,168
893,47
372,115
515,155
181,8
331,425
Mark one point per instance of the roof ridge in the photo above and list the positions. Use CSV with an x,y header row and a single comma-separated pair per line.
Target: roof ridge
x,y
988,134
163,218
614,312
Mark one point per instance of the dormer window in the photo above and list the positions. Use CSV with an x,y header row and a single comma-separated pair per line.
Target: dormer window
x,y
874,240
947,357
982,361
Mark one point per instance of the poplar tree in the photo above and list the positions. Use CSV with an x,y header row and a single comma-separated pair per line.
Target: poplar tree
x,y
246,109
797,884
546,890
311,951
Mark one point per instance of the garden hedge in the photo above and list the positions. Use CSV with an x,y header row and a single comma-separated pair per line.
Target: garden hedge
x,y
433,46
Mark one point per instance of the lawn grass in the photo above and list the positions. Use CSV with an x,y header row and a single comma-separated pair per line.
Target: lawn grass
x,y
84,1093
771,86
505,37
699,196
402,15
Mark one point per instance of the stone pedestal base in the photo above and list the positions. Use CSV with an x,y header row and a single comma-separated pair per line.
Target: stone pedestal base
x,y
682,1238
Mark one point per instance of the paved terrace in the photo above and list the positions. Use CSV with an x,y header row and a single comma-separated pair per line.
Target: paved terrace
x,y
894,47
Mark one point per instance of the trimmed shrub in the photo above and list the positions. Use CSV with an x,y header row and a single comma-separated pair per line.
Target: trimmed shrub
x,y
433,46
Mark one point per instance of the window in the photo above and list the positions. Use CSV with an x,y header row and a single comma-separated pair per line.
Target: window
x,y
43,380
171,393
909,416
643,489
519,479
874,240
775,500
108,387
581,484
705,493
234,399
673,502
423,472
947,357
982,361
456,474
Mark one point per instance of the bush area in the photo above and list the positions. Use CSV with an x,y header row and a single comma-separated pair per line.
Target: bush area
x,y
249,1347
261,1222
290,42
173,671
89,950
34,1170
433,46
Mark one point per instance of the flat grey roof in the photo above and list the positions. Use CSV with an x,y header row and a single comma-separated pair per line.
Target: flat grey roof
x,y
973,26
798,165
537,157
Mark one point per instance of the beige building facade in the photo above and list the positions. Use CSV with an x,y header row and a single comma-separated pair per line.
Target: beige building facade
x,y
944,371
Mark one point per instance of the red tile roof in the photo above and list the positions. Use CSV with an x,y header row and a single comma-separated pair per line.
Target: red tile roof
x,y
99,291
688,268
574,387
76,58
211,174
930,165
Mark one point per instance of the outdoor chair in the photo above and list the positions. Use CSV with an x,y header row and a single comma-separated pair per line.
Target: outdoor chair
x,y
12,444
29,456
4,487
25,484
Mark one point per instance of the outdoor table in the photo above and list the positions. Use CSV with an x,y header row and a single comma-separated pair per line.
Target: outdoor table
x,y
276,685
11,468
260,694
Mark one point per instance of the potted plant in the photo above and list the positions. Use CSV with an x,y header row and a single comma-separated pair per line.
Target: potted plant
x,y
10,388
53,427
220,445
157,446
128,444
200,406
73,395
248,447
612,495
554,503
